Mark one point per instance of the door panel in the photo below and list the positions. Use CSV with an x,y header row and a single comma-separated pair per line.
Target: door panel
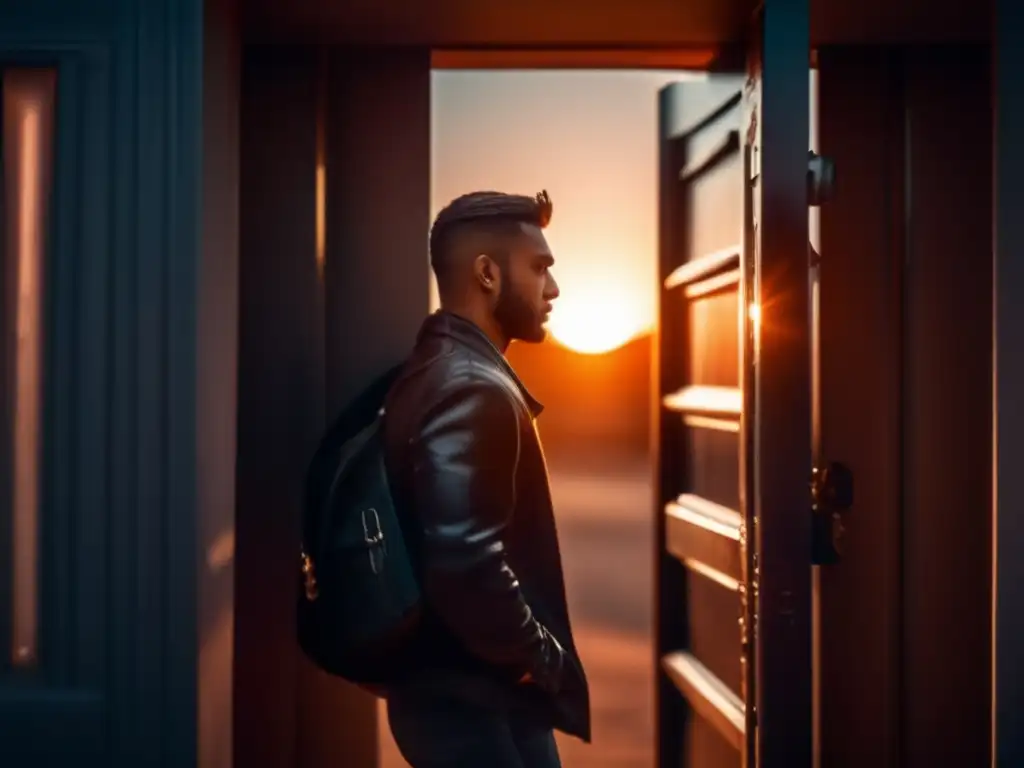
x,y
121,488
702,715
712,447
714,604
714,337
54,610
707,745
734,459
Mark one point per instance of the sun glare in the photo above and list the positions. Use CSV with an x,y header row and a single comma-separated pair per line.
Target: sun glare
x,y
594,323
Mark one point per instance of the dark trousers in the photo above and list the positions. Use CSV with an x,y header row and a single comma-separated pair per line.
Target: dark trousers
x,y
440,733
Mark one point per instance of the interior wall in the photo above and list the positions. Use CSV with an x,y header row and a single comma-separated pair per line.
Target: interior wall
x,y
861,129
378,212
280,390
376,144
906,403
947,423
319,319
216,386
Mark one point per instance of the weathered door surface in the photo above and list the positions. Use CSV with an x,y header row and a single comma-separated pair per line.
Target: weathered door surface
x,y
734,634
100,288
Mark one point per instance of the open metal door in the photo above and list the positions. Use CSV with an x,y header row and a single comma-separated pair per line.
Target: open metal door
x,y
734,580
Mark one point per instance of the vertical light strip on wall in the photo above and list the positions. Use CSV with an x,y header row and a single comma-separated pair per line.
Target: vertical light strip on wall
x,y
28,106
321,165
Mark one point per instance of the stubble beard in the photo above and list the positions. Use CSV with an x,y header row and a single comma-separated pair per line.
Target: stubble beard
x,y
517,319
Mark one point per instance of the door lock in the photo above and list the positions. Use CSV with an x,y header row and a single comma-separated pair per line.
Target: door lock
x,y
831,498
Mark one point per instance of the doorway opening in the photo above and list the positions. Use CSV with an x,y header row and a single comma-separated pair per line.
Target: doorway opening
x,y
589,137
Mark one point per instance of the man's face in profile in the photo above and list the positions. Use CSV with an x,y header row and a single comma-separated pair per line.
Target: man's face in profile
x,y
527,288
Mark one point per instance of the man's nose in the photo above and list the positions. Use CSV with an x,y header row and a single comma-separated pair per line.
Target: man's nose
x,y
552,292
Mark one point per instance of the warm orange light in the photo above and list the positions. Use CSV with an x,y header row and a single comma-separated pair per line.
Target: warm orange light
x,y
594,320
26,410
321,217
754,311
27,103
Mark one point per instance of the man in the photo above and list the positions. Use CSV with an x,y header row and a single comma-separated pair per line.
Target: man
x,y
496,668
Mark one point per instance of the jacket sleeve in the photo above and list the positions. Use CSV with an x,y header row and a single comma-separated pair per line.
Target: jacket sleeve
x,y
464,477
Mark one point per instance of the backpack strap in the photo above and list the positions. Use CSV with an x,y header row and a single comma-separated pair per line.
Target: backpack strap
x,y
346,461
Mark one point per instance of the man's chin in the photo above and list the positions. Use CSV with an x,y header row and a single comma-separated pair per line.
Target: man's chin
x,y
535,336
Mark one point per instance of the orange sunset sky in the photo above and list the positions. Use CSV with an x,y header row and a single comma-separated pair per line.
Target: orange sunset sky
x,y
590,139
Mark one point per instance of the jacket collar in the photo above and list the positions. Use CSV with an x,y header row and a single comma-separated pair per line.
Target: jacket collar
x,y
468,334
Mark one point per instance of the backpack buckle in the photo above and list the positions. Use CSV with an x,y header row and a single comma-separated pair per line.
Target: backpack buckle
x,y
309,577
373,537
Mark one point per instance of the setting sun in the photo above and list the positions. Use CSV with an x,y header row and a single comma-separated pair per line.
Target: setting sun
x,y
595,322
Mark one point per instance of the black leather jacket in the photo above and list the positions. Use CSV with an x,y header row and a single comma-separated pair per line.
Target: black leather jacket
x,y
467,469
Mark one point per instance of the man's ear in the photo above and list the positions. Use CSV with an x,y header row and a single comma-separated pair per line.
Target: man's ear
x,y
487,273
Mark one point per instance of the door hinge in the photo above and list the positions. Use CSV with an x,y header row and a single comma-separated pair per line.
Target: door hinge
x,y
821,179
831,498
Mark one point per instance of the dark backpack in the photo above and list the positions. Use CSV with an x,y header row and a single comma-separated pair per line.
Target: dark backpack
x,y
358,594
